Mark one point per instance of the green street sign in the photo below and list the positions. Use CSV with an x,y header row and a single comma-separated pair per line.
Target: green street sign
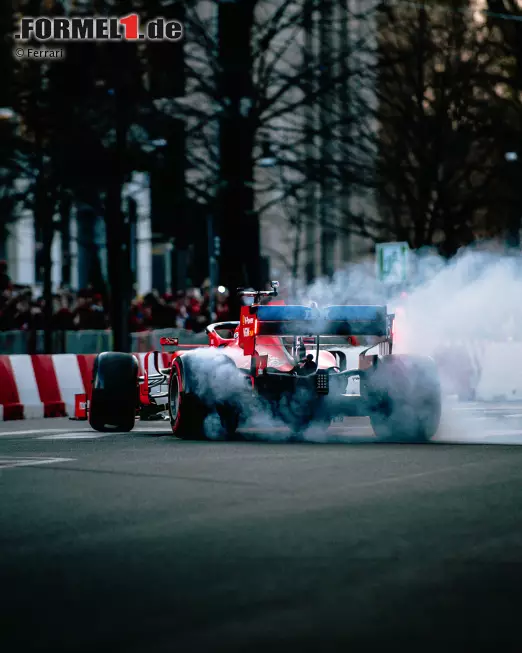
x,y
392,262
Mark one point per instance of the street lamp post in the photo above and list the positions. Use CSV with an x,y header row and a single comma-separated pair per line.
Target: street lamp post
x,y
513,238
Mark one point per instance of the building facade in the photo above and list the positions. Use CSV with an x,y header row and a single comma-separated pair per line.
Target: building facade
x,y
310,221
85,249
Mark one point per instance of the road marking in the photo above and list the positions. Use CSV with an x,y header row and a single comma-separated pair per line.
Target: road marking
x,y
486,408
498,413
35,431
504,432
431,472
272,429
77,433
351,428
72,436
7,462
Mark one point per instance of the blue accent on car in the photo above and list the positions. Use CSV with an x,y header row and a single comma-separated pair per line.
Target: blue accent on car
x,y
286,314
330,313
355,313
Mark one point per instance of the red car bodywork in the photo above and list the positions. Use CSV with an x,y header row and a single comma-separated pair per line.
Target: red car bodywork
x,y
270,352
269,349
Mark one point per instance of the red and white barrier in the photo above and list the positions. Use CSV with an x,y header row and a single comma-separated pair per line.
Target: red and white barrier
x,y
41,385
45,386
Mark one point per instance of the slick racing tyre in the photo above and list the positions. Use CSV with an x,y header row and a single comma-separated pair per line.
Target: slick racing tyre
x,y
185,412
114,392
201,406
403,398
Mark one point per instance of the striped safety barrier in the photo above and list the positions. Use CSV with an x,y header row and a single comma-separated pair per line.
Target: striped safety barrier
x,y
37,386
45,385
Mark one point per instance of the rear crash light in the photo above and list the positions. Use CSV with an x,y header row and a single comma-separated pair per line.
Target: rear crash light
x,y
322,382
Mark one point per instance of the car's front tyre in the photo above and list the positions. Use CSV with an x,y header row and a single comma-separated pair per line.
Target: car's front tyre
x,y
114,393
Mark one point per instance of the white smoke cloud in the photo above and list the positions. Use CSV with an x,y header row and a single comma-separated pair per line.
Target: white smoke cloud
x,y
449,305
474,297
452,311
216,381
354,284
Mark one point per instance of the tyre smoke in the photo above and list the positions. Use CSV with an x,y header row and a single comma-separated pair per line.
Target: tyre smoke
x,y
448,310
453,311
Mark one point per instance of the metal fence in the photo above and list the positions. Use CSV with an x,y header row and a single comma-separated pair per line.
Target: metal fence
x,y
89,342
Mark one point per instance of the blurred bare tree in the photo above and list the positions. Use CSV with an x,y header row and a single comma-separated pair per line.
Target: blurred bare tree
x,y
505,25
273,72
397,100
439,124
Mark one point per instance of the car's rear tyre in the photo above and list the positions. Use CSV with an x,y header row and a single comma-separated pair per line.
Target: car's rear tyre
x,y
114,393
403,396
194,416
186,414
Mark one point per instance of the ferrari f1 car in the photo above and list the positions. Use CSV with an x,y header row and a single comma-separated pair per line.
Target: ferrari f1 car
x,y
292,362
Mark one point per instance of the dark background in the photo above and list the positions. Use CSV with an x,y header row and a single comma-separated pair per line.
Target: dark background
x,y
428,140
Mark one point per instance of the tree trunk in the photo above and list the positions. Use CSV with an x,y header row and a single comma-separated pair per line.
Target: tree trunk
x,y
515,223
296,256
48,237
65,231
347,129
325,183
44,207
116,222
423,180
238,223
309,83
3,237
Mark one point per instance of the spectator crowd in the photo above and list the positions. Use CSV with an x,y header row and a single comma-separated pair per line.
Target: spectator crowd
x,y
87,309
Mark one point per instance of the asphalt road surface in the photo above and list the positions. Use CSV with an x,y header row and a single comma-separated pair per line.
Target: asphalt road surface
x,y
143,543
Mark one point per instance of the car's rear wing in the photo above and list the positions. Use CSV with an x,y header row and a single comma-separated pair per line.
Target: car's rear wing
x,y
305,321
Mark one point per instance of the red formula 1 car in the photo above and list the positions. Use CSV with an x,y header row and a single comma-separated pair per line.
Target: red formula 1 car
x,y
290,362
